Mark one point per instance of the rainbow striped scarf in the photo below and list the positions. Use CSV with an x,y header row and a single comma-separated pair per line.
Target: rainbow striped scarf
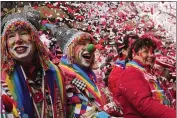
x,y
135,64
91,88
156,89
17,86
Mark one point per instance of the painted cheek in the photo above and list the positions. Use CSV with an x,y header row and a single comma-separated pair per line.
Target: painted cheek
x,y
29,39
151,52
77,48
77,51
10,44
78,58
140,54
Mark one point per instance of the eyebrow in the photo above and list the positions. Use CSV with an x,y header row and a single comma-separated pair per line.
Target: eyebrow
x,y
9,34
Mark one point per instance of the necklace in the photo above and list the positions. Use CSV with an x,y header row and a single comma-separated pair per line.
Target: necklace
x,y
37,82
38,96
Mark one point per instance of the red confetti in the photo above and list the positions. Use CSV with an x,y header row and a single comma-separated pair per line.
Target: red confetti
x,y
152,11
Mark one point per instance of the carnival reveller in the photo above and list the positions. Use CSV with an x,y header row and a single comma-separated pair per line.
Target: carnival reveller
x,y
119,66
151,68
163,84
85,97
139,93
32,86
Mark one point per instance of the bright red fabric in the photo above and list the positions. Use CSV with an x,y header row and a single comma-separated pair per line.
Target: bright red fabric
x,y
114,76
135,96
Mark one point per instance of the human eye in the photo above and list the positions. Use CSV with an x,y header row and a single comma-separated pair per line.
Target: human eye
x,y
146,51
10,35
24,33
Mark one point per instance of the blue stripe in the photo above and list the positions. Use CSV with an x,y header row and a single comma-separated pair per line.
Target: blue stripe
x,y
78,70
49,77
23,93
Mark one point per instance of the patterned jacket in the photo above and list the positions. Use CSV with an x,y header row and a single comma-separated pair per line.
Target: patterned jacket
x,y
85,96
18,101
141,95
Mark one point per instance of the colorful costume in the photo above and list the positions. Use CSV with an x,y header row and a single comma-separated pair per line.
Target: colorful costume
x,y
85,97
15,87
118,68
79,84
25,94
140,94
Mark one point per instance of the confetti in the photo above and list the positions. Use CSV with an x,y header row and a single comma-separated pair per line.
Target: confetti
x,y
109,21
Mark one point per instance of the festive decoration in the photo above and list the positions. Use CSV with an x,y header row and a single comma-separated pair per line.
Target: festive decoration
x,y
90,48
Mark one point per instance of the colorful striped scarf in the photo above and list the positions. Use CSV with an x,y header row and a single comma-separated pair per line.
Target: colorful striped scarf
x,y
17,86
158,92
83,76
135,64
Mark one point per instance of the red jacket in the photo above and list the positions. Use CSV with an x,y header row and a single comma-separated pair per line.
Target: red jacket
x,y
135,96
113,77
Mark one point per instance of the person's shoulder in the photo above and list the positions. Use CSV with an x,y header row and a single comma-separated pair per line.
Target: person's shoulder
x,y
132,70
132,73
54,67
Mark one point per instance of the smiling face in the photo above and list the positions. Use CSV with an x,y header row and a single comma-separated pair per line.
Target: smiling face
x,y
20,45
151,58
146,56
82,57
142,55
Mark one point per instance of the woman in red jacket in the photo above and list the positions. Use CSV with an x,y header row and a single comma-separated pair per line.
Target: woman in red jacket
x,y
118,67
135,92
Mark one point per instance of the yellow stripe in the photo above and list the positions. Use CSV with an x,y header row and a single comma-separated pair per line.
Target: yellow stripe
x,y
97,93
133,65
15,112
10,86
60,80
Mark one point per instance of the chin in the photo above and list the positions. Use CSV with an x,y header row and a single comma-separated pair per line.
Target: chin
x,y
86,65
18,58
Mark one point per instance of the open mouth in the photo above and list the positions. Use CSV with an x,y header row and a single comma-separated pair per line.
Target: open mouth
x,y
87,56
20,49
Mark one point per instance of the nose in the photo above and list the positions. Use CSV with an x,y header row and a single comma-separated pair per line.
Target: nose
x,y
18,38
90,48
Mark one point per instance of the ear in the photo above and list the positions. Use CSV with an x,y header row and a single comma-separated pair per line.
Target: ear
x,y
139,53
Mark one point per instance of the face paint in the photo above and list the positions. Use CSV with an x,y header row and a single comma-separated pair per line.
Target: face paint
x,y
20,46
82,57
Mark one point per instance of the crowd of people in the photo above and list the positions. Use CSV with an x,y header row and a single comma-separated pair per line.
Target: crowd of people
x,y
65,80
